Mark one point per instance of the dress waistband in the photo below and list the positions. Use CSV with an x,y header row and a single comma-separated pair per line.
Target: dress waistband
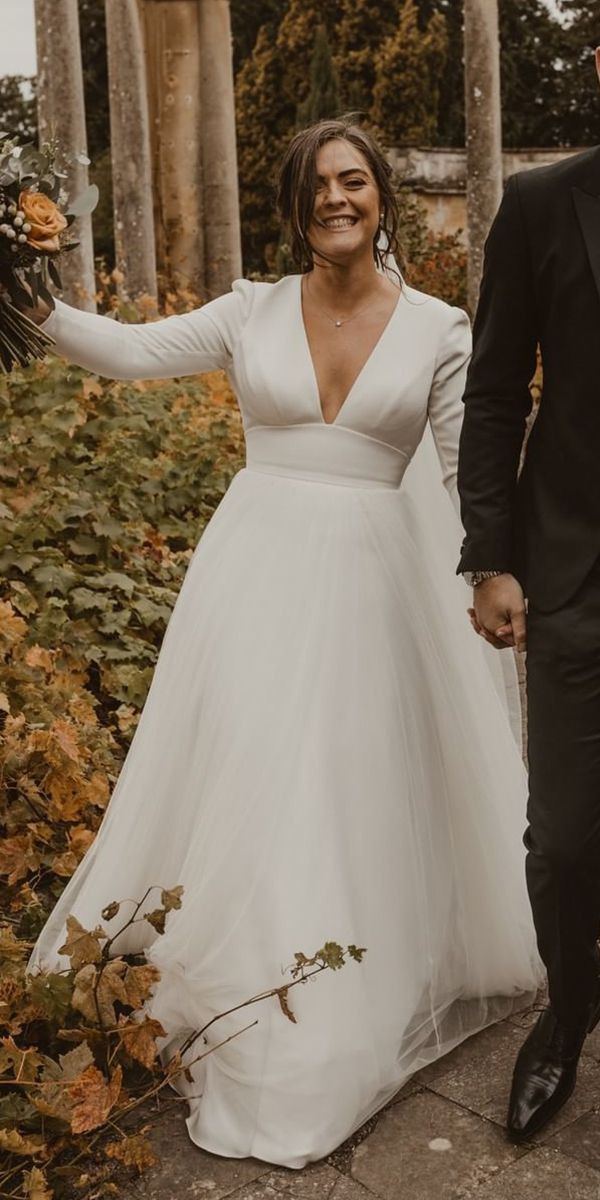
x,y
326,454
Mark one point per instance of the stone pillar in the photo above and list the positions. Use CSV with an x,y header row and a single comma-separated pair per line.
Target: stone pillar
x,y
172,36
130,150
484,130
61,111
222,241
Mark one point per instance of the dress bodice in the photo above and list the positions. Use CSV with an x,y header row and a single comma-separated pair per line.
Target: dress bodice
x,y
256,332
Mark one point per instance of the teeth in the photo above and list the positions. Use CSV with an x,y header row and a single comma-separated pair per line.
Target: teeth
x,y
340,222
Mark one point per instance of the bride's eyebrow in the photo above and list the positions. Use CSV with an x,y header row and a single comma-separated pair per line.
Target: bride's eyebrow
x,y
343,174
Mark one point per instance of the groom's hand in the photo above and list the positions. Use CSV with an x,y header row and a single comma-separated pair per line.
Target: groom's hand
x,y
499,612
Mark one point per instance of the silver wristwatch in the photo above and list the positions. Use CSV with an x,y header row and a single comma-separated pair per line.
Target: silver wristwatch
x,y
473,578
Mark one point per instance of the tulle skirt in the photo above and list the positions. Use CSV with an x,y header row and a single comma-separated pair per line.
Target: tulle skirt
x,y
322,756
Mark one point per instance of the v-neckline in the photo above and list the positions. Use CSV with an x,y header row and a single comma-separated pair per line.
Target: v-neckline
x,y
360,374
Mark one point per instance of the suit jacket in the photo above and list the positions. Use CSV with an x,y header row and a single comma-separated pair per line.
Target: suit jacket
x,y
540,285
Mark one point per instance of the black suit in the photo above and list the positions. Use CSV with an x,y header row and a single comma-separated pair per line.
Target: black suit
x,y
541,286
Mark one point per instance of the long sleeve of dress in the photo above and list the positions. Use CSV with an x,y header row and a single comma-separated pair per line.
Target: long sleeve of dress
x,y
445,407
201,340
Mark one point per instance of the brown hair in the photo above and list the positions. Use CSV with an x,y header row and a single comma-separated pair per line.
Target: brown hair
x,y
298,185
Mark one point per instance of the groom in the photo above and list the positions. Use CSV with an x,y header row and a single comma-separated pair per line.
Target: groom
x,y
540,538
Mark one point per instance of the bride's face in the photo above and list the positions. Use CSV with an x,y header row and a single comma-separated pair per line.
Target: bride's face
x,y
345,217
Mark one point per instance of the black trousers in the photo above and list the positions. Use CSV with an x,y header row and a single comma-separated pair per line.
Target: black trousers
x,y
563,834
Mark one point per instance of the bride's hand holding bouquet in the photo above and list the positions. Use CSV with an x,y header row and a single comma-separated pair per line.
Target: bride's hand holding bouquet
x,y
35,218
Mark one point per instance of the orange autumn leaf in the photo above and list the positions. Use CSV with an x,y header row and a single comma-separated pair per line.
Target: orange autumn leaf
x,y
37,656
282,996
82,946
67,737
14,1142
139,982
93,1098
82,711
80,839
139,1038
96,790
41,831
95,992
35,1185
12,627
133,1151
64,793
18,857
64,864
24,1063
91,387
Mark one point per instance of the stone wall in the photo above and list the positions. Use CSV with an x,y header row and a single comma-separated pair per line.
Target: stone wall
x,y
438,178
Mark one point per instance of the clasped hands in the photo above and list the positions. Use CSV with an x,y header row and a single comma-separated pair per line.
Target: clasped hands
x,y
498,612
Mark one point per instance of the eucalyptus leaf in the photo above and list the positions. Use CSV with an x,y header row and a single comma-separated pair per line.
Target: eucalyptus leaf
x,y
54,274
86,202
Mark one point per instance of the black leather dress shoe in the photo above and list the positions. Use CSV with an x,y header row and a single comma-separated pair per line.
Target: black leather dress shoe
x,y
546,1072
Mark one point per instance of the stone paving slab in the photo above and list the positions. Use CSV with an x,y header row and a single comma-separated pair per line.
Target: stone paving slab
x,y
429,1148
580,1140
348,1189
478,1076
478,1073
185,1171
313,1183
542,1175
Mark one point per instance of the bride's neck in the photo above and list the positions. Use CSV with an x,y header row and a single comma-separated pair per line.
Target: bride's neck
x,y
343,286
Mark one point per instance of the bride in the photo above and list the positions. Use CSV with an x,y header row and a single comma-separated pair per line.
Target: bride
x,y
324,752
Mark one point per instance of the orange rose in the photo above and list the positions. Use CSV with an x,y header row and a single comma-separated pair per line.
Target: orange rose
x,y
46,221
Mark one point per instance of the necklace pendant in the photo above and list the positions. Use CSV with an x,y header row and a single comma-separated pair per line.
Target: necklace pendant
x,y
337,324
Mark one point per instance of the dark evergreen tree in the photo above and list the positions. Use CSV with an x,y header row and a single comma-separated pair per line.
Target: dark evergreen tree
x,y
580,107
92,24
323,99
530,74
247,17
18,114
263,119
95,75
360,30
408,66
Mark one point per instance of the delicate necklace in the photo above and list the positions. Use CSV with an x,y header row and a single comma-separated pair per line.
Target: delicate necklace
x,y
336,320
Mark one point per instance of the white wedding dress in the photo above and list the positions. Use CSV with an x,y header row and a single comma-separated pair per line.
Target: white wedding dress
x,y
324,753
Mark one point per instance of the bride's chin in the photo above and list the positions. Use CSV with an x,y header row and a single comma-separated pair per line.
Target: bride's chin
x,y
338,255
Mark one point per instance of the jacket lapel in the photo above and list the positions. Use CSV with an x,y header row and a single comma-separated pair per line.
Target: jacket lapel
x,y
588,212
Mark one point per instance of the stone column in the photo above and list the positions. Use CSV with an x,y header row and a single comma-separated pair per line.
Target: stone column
x,y
172,38
61,111
130,150
484,130
222,241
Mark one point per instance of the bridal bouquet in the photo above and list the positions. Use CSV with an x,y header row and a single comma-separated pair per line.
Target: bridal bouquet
x,y
35,217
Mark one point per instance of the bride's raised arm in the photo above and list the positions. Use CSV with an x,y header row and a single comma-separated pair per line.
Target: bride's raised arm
x,y
201,340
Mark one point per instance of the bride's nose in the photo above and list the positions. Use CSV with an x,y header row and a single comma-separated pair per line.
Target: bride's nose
x,y
333,194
